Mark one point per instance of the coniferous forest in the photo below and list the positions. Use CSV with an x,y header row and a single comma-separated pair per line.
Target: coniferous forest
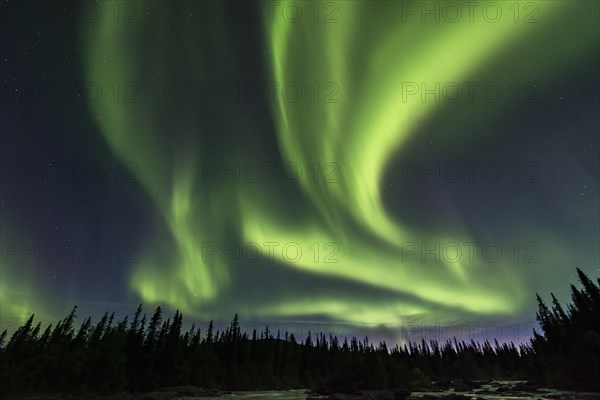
x,y
143,354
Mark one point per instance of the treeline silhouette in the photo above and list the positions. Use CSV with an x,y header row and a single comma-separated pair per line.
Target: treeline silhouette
x,y
568,352
142,355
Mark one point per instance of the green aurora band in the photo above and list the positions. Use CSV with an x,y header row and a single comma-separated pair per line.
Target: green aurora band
x,y
369,53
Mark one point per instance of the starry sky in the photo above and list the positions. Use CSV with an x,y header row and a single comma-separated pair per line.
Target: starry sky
x,y
384,168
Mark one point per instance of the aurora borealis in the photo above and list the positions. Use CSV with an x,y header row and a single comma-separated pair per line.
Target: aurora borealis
x,y
302,164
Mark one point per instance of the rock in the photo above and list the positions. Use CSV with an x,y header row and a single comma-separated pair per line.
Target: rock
x,y
464,385
158,396
401,394
456,397
471,384
342,396
486,391
442,384
336,390
310,395
452,396
425,389
383,395
531,386
169,393
460,387
360,396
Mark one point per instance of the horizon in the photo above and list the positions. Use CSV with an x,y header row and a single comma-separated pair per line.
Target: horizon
x,y
409,333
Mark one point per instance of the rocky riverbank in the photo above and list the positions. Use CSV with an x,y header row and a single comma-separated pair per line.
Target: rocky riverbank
x,y
441,390
464,390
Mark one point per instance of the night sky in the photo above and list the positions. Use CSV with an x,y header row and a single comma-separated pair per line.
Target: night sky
x,y
391,169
